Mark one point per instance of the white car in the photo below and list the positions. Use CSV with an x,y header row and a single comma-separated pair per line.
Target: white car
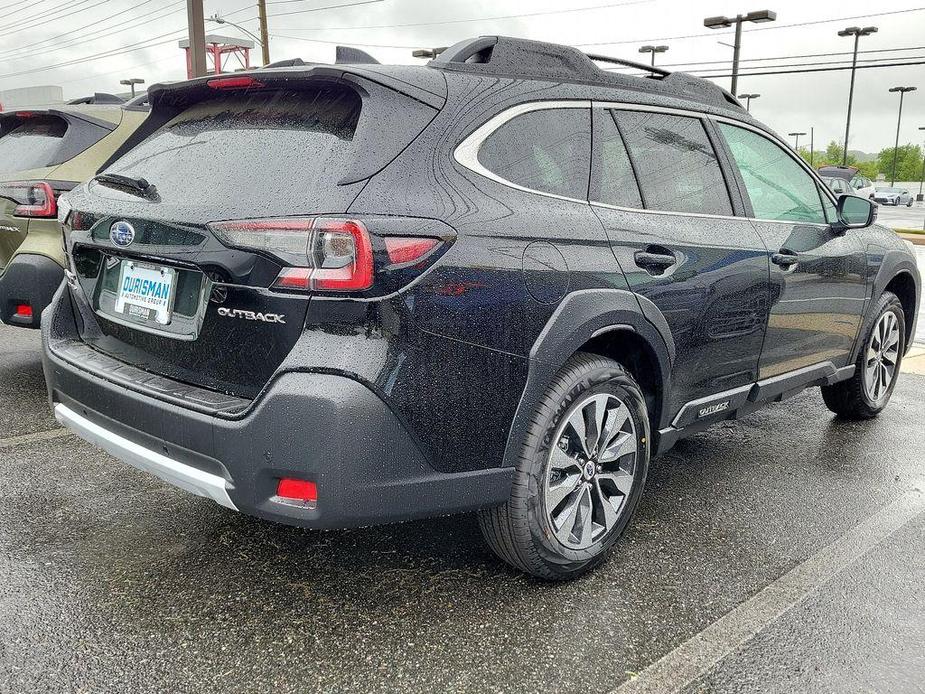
x,y
862,185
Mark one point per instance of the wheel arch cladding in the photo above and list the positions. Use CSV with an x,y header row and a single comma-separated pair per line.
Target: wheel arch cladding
x,y
608,322
903,286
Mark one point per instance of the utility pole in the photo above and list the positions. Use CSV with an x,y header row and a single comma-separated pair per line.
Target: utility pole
x,y
197,38
726,22
857,33
796,143
902,92
264,33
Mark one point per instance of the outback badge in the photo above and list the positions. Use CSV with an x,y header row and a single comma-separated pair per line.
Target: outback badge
x,y
252,315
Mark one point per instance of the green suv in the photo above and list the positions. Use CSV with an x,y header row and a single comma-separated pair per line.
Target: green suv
x,y
44,153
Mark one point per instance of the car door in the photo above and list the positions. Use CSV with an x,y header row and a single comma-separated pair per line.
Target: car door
x,y
818,285
658,189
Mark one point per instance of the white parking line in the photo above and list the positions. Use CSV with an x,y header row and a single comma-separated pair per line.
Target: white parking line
x,y
37,436
696,656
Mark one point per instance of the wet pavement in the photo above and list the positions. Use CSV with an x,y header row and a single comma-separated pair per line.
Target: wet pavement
x,y
111,581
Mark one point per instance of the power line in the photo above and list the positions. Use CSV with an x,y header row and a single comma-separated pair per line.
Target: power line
x,y
105,54
764,28
821,69
343,43
791,57
50,15
327,7
816,63
21,2
481,19
93,35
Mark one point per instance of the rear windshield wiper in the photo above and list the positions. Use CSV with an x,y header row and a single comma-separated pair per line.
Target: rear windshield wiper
x,y
138,186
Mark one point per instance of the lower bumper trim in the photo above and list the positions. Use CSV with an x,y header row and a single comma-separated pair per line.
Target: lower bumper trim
x,y
178,474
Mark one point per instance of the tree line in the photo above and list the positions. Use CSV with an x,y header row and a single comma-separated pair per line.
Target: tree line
x,y
908,161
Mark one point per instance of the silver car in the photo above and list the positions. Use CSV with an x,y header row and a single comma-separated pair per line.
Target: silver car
x,y
893,196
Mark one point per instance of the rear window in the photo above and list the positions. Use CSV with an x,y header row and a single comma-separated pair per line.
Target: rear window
x,y
547,150
258,152
31,145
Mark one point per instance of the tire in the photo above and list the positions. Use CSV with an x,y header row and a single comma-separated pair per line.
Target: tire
x,y
909,204
552,459
862,396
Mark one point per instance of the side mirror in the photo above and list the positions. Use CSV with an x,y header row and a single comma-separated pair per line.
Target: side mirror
x,y
854,213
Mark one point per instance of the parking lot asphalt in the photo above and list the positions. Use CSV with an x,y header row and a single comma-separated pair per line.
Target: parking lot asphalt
x,y
782,552
902,217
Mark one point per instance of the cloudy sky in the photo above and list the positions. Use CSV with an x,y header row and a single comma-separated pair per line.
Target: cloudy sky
x,y
89,45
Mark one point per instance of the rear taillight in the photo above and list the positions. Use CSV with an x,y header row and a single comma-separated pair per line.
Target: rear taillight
x,y
326,253
23,310
32,198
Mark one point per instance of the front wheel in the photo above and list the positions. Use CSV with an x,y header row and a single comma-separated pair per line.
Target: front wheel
x,y
580,473
868,391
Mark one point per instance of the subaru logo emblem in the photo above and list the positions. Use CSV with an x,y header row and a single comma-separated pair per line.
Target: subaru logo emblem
x,y
122,233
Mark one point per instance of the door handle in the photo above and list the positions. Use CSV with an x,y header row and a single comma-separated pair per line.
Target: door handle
x,y
785,258
654,261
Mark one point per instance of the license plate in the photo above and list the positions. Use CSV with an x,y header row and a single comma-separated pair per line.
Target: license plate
x,y
145,291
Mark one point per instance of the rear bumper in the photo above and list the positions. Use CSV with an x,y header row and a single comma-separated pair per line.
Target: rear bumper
x,y
29,279
176,473
327,428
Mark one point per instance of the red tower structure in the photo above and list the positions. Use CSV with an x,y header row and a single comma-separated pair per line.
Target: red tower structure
x,y
223,54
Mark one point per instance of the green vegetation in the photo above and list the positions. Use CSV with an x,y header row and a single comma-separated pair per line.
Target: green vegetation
x,y
908,161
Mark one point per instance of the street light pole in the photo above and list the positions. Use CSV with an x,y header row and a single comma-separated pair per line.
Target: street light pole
x,y
726,22
653,50
748,100
922,180
131,83
902,92
857,33
796,143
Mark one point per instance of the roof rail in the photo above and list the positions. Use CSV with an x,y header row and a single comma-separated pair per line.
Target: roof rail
x,y
629,63
513,57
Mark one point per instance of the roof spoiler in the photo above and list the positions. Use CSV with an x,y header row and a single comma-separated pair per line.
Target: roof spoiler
x,y
97,98
344,55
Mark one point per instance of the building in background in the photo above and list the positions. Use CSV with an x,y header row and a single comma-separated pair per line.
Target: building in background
x,y
32,97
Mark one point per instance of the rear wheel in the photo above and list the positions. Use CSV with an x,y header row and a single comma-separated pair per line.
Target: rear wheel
x,y
579,476
867,393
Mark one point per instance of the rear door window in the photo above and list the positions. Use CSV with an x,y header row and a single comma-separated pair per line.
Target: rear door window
x,y
778,187
548,150
612,179
33,144
675,162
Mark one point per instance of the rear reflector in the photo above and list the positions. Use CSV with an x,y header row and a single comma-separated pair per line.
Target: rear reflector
x,y
23,311
292,489
408,250
234,83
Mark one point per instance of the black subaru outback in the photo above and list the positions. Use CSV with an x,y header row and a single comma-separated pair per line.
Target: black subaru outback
x,y
344,295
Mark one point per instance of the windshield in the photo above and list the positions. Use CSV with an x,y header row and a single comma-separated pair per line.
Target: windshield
x,y
31,145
